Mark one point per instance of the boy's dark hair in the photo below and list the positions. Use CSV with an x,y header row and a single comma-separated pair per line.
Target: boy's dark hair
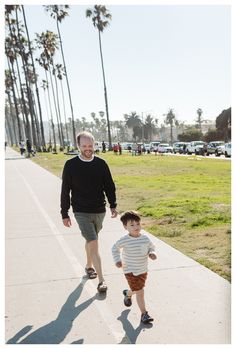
x,y
130,216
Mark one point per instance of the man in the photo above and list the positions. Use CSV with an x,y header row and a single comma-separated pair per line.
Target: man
x,y
88,179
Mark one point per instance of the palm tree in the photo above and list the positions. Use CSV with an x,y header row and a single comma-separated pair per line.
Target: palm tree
x,y
223,123
60,72
150,127
12,44
56,75
19,49
47,41
35,80
58,13
11,58
133,121
100,18
199,119
46,86
171,119
8,89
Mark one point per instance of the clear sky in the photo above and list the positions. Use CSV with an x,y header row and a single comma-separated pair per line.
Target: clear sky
x,y
156,57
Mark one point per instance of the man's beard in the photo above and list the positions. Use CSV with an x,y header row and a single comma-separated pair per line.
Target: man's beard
x,y
87,154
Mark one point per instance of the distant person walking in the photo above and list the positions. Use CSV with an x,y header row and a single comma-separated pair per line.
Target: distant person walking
x,y
28,147
136,248
119,149
103,147
134,148
155,148
86,180
22,147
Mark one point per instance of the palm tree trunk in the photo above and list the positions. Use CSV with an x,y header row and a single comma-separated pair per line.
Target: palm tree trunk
x,y
105,93
55,106
58,107
8,129
29,96
36,85
14,139
50,107
24,109
68,87
38,133
63,99
48,120
13,79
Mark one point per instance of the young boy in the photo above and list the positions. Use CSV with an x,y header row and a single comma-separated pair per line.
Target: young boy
x,y
136,248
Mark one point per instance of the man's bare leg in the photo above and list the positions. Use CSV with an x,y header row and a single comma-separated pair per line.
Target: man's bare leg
x,y
89,263
95,257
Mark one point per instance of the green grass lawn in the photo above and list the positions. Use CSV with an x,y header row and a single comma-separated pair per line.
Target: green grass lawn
x,y
184,200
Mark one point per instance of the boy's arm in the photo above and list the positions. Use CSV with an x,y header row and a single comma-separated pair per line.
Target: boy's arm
x,y
116,251
151,250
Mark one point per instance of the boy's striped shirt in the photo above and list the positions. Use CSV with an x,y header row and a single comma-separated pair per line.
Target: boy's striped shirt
x,y
135,251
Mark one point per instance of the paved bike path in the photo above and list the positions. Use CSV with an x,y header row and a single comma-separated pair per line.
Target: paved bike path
x,y
50,301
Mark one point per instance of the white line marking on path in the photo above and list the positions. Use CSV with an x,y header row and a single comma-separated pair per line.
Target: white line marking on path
x,y
102,307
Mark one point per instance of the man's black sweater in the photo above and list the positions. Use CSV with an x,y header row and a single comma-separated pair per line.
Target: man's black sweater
x,y
84,185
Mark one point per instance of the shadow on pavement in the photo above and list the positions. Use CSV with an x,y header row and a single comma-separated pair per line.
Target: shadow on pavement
x,y
55,331
131,333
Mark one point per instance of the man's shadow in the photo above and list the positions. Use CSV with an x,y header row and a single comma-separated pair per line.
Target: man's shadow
x,y
55,331
131,333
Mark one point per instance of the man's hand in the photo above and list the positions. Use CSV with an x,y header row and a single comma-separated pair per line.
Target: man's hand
x,y
114,213
67,222
152,256
119,264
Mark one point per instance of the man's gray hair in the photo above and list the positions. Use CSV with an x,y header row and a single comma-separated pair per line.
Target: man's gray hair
x,y
84,134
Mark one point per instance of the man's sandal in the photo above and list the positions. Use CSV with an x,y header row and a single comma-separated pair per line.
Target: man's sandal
x,y
102,287
91,273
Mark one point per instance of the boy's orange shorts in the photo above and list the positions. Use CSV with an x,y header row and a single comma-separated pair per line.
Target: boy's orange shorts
x,y
136,282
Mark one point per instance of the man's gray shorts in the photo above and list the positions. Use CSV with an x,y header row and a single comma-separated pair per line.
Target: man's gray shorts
x,y
90,224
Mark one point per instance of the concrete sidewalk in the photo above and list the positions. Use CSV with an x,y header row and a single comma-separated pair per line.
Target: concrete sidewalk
x,y
50,301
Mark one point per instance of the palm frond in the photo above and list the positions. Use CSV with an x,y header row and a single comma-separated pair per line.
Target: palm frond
x,y
88,12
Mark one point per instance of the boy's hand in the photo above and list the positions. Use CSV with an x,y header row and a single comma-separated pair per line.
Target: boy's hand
x,y
152,256
119,264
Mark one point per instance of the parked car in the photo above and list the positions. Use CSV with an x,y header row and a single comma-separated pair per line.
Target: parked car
x,y
127,146
195,147
146,147
154,145
164,148
228,150
178,147
215,147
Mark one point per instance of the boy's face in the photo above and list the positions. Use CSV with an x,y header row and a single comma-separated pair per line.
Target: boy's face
x,y
134,228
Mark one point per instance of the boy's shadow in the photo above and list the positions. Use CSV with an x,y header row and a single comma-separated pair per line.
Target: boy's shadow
x,y
131,334
55,331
